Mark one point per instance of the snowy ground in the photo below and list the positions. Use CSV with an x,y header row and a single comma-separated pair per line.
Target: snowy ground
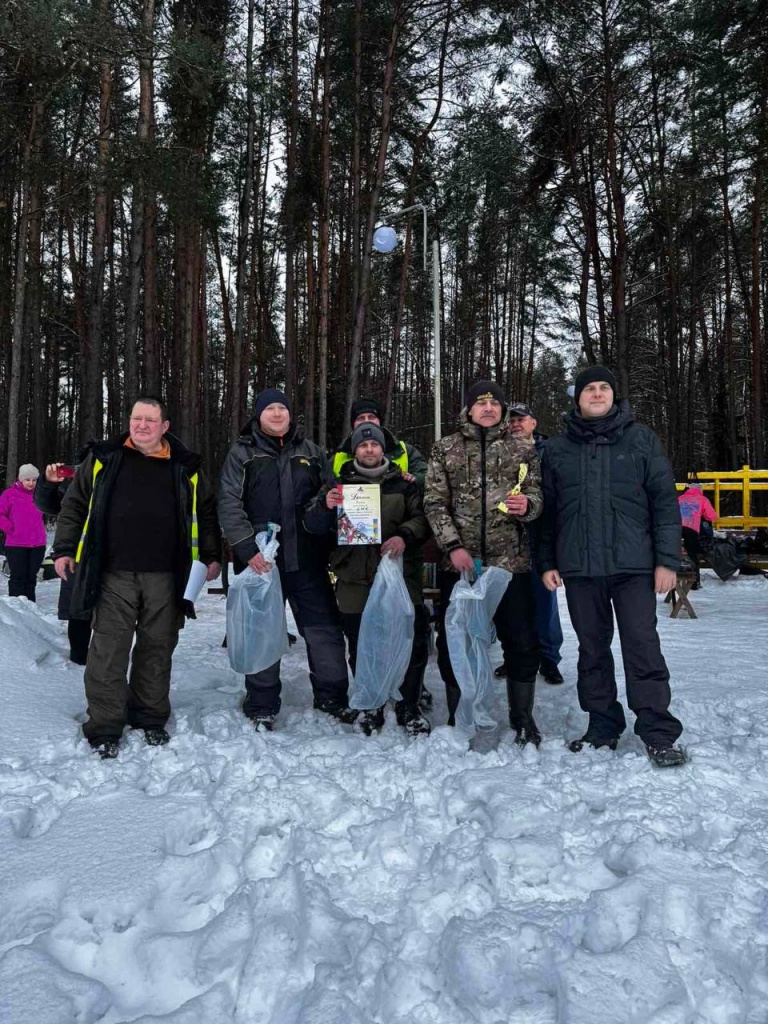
x,y
315,876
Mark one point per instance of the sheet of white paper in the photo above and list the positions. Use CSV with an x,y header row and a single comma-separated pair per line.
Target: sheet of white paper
x,y
195,582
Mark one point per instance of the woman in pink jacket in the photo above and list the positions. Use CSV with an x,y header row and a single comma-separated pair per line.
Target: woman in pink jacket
x,y
22,524
693,508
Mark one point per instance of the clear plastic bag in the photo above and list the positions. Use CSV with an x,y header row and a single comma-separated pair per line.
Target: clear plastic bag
x,y
257,634
469,632
386,638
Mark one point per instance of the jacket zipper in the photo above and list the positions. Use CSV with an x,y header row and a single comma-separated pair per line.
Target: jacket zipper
x,y
483,510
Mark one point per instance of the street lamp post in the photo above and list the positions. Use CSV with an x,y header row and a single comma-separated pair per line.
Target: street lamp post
x,y
385,241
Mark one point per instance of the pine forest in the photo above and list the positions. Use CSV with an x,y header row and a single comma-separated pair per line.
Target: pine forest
x,y
190,190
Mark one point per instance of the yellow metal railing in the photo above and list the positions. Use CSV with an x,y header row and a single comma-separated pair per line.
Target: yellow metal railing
x,y
745,481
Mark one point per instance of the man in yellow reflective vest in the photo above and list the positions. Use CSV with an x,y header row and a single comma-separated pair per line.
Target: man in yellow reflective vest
x,y
136,516
400,453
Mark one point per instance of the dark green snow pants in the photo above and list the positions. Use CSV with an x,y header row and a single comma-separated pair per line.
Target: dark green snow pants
x,y
140,604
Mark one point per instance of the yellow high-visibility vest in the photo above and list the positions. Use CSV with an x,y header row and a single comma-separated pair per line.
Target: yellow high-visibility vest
x,y
401,460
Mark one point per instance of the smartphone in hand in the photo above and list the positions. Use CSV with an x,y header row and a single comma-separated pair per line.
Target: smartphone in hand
x,y
67,472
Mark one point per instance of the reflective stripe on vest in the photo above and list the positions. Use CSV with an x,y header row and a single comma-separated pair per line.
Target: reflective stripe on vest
x,y
401,461
194,532
97,468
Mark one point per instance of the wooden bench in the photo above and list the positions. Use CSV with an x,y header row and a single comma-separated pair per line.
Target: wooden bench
x,y
678,596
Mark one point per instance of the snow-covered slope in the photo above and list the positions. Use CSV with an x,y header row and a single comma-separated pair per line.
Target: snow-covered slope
x,y
316,876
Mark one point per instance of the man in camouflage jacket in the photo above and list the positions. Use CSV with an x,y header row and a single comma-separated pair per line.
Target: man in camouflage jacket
x,y
469,473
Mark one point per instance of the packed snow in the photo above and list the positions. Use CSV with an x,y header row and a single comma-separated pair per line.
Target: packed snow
x,y
317,876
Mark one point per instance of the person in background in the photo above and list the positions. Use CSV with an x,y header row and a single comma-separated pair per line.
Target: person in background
x,y
611,532
24,529
49,492
136,516
404,529
693,508
271,474
522,425
469,473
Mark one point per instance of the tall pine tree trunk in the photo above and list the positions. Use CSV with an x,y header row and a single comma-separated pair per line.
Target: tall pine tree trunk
x,y
144,133
93,399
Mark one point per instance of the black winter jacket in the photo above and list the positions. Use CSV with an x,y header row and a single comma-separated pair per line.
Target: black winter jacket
x,y
610,503
86,493
267,479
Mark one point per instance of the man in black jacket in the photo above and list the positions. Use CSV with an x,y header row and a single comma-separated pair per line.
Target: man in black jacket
x,y
136,516
270,475
611,532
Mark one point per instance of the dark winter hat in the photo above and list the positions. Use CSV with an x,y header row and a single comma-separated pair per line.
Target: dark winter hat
x,y
361,405
591,375
267,397
485,389
367,432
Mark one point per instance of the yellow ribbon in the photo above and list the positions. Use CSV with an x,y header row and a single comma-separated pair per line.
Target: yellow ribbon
x,y
521,475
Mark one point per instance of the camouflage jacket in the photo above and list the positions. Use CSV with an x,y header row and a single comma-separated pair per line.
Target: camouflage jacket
x,y
469,473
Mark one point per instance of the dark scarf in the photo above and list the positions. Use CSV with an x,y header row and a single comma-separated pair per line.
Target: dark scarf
x,y
608,428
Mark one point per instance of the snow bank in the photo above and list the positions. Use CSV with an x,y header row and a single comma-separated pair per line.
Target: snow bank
x,y
316,876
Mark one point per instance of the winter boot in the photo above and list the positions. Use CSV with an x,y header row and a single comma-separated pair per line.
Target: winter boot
x,y
264,723
107,749
590,739
156,737
549,672
337,709
520,695
412,720
372,721
666,757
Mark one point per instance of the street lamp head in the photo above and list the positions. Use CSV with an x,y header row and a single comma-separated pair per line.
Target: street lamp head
x,y
385,239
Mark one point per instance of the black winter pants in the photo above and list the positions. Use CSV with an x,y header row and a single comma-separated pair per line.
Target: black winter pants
x,y
591,604
313,603
515,622
692,545
410,689
24,564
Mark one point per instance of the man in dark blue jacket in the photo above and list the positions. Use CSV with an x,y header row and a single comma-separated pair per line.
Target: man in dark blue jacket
x,y
611,532
270,475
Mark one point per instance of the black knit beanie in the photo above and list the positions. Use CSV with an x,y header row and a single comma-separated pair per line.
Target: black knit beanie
x,y
361,405
591,375
482,389
267,397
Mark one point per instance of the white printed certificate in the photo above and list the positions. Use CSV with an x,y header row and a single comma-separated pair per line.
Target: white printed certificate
x,y
359,518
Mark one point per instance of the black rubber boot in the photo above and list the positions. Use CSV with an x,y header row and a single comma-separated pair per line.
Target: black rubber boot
x,y
520,695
